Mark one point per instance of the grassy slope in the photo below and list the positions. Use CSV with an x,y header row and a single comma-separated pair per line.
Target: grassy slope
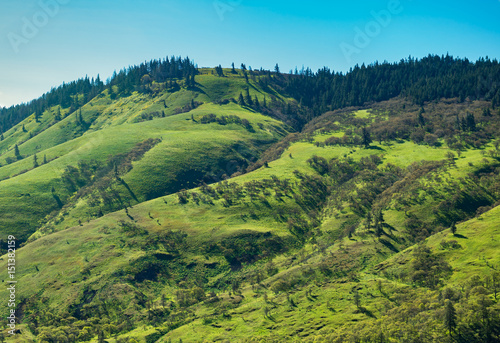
x,y
104,253
111,128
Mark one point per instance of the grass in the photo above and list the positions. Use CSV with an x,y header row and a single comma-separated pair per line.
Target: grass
x,y
77,260
113,130
206,223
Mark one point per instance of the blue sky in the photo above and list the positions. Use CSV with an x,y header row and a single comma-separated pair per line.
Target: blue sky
x,y
46,42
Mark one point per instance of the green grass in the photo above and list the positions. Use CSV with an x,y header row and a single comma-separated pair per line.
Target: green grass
x,y
479,254
204,223
113,129
73,254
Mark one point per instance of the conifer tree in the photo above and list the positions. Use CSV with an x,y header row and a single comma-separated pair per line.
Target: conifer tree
x,y
357,298
256,102
16,152
241,100
453,228
248,98
219,70
35,161
79,119
471,122
58,113
193,80
450,317
421,119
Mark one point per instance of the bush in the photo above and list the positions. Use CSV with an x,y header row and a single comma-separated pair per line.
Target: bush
x,y
428,268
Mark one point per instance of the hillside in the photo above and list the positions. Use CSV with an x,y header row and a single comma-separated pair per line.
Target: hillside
x,y
229,209
151,144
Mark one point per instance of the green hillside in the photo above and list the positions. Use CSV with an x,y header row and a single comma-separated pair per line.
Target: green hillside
x,y
220,206
101,134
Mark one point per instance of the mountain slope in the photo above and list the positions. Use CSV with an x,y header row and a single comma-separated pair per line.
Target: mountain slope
x,y
157,262
184,207
105,128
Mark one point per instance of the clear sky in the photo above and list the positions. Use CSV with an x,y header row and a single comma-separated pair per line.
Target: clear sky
x,y
46,42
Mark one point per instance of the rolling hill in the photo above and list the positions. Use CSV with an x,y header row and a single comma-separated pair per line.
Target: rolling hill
x,y
221,206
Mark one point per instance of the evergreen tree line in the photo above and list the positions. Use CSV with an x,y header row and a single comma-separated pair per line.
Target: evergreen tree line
x,y
75,94
427,79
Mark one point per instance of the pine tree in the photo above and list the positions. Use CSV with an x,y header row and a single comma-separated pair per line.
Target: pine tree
x,y
450,317
219,70
79,118
453,228
256,102
16,152
58,114
421,119
379,224
112,93
357,298
463,124
471,122
44,159
193,79
248,98
35,161
241,100
233,70
380,217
